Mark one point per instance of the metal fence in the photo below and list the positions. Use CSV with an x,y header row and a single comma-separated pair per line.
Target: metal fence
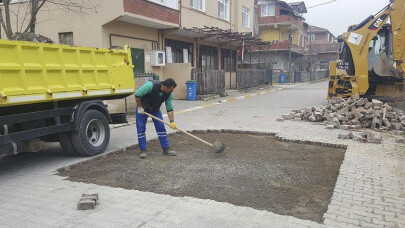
x,y
147,75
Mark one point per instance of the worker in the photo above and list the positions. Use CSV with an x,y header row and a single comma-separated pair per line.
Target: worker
x,y
149,98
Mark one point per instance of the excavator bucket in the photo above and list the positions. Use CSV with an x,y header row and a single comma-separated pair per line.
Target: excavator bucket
x,y
384,67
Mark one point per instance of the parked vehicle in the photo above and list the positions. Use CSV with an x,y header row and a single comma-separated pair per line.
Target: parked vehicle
x,y
55,93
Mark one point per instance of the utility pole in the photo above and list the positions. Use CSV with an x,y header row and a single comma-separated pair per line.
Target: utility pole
x,y
310,56
290,38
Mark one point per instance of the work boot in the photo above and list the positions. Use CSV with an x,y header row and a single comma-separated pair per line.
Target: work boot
x,y
168,152
144,154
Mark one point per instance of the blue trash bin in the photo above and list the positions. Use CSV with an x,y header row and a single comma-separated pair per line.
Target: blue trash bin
x,y
282,78
191,90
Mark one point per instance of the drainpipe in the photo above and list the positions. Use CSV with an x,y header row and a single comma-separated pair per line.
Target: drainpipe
x,y
180,6
310,57
230,50
290,38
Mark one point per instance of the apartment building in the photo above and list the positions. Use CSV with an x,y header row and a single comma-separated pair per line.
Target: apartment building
x,y
318,35
321,48
284,26
156,30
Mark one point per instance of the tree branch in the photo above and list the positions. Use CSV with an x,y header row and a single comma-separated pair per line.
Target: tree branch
x,y
34,12
9,31
2,22
25,16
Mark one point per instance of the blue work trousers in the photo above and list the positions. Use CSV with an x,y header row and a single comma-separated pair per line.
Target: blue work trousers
x,y
160,129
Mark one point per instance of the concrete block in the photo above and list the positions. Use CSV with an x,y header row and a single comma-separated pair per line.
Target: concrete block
x,y
95,195
400,140
397,126
360,102
312,118
286,117
376,103
354,127
367,105
389,115
396,132
86,204
330,127
342,136
375,141
362,140
369,116
387,123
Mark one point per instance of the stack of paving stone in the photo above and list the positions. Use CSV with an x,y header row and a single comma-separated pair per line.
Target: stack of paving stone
x,y
353,113
364,137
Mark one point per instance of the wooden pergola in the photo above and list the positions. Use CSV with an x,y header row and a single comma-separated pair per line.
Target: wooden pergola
x,y
227,37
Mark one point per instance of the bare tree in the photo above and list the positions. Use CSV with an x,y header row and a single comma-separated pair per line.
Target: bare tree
x,y
33,7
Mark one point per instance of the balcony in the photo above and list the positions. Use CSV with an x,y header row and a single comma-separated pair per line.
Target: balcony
x,y
274,21
150,14
282,46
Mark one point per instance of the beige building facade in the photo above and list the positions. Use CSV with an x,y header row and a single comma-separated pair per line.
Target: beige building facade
x,y
156,30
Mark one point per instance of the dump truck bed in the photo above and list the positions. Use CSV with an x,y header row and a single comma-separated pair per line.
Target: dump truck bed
x,y
37,72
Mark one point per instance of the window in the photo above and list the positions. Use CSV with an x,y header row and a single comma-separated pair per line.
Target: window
x,y
223,9
245,17
226,60
168,3
284,35
178,50
66,38
311,37
268,10
208,58
198,4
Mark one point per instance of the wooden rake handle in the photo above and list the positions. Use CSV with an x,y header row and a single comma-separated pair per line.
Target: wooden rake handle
x,y
185,132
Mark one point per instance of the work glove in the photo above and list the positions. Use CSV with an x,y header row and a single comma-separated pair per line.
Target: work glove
x,y
141,111
173,125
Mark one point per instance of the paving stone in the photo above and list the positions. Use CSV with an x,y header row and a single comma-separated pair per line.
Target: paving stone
x,y
86,204
400,140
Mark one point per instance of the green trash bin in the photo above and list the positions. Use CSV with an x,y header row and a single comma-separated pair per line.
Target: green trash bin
x,y
269,77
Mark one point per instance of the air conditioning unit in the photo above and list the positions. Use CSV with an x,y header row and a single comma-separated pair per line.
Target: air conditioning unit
x,y
158,58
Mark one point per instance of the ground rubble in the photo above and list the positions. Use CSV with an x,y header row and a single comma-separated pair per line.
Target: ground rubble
x,y
355,114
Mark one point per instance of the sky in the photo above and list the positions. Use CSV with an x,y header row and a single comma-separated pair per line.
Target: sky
x,y
338,15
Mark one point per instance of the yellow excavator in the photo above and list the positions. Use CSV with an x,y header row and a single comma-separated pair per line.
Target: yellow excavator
x,y
372,56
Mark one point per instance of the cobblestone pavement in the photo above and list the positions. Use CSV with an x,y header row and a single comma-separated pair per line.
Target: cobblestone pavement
x,y
369,192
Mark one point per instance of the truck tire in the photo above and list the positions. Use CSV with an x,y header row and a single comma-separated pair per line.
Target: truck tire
x,y
93,136
65,141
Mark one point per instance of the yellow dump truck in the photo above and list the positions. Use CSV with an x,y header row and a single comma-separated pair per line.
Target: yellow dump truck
x,y
51,93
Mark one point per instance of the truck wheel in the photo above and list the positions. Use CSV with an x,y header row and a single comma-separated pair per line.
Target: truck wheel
x,y
65,141
93,135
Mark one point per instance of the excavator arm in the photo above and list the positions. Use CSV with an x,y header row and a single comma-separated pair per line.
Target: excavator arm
x,y
397,13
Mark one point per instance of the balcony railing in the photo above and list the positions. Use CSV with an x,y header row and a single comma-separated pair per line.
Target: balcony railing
x,y
280,19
